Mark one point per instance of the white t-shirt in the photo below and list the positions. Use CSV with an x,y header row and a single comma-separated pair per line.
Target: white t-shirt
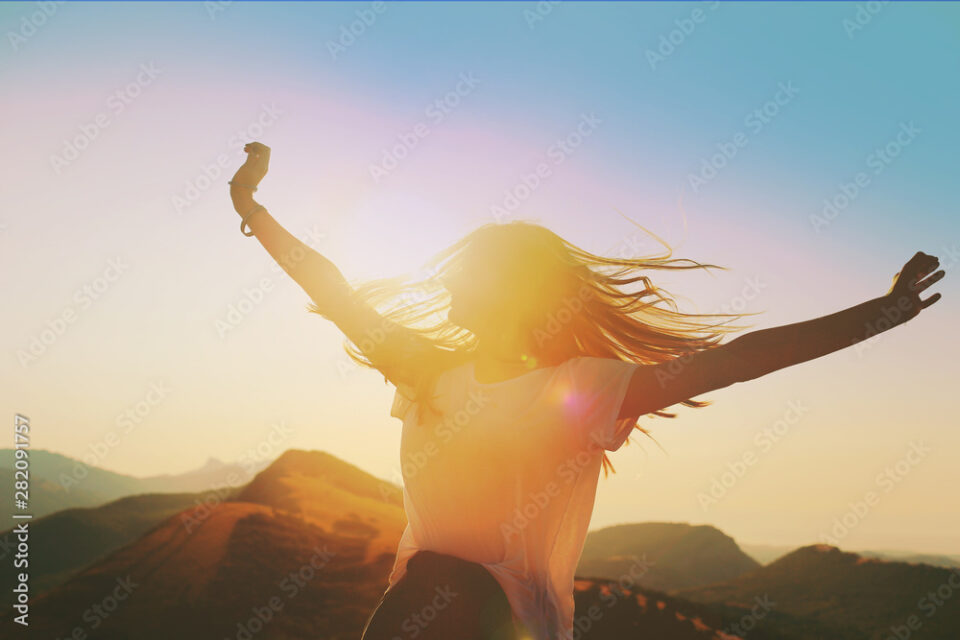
x,y
507,477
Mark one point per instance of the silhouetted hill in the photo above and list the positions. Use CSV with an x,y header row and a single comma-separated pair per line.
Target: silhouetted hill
x,y
856,597
308,534
664,555
334,494
209,580
766,553
303,551
68,540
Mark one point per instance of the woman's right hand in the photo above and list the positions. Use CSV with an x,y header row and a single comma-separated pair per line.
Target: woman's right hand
x,y
249,175
910,282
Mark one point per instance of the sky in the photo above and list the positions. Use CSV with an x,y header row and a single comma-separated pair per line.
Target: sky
x,y
810,148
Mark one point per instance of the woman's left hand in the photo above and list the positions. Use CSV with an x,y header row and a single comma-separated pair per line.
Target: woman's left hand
x,y
256,166
249,175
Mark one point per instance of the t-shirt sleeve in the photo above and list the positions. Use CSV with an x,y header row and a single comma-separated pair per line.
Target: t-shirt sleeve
x,y
403,400
595,391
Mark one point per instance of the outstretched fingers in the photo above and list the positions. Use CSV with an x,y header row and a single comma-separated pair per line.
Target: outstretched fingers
x,y
929,301
923,284
926,267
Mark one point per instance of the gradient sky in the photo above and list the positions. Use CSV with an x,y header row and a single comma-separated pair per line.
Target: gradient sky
x,y
137,255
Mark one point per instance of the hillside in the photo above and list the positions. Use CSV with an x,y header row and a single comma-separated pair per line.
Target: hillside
x,y
91,532
308,531
334,494
856,597
303,551
669,555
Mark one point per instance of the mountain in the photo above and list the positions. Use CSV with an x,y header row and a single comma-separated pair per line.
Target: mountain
x,y
853,596
92,532
302,551
60,482
765,553
664,555
333,493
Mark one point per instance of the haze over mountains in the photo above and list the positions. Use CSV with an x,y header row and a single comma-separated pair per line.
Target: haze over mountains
x,y
304,548
767,553
59,482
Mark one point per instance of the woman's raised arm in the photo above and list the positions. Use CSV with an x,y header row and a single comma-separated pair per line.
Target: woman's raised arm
x,y
394,350
758,353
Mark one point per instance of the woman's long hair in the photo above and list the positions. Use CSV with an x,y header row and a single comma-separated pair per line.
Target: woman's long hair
x,y
568,301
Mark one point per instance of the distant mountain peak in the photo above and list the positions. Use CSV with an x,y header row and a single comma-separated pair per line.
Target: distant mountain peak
x,y
816,555
323,472
212,463
824,548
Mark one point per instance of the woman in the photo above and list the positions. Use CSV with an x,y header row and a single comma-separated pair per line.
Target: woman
x,y
544,362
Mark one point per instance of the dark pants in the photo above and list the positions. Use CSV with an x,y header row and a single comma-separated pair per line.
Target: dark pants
x,y
441,597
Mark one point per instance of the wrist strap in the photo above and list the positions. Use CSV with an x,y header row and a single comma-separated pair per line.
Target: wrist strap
x,y
243,220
